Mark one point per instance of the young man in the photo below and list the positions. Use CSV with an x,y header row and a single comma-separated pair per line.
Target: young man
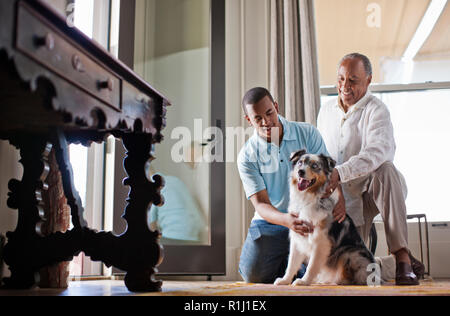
x,y
264,166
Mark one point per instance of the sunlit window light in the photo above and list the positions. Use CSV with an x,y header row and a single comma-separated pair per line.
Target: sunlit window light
x,y
78,159
84,16
83,20
427,24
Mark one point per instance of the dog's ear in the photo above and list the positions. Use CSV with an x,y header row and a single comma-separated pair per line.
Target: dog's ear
x,y
328,163
295,156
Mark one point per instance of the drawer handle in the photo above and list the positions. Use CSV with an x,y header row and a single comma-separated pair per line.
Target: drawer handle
x,y
47,41
77,64
107,84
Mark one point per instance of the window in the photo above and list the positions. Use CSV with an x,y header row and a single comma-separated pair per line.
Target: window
x,y
407,42
92,18
422,139
84,16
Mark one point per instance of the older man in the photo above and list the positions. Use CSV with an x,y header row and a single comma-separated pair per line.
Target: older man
x,y
358,133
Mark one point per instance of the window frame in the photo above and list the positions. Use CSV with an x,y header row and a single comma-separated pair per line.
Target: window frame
x,y
388,88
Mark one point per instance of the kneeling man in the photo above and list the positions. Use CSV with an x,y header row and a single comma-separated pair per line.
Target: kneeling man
x,y
358,134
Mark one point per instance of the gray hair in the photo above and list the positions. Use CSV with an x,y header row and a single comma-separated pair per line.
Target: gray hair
x,y
365,60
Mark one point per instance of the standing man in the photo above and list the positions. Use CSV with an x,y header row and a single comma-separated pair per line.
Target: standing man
x,y
264,166
358,132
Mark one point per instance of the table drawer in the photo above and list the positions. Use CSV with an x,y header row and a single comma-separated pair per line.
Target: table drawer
x,y
50,48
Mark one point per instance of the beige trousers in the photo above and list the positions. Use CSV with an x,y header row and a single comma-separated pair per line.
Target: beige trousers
x,y
385,195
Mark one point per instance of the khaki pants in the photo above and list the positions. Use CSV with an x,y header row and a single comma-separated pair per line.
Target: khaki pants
x,y
385,195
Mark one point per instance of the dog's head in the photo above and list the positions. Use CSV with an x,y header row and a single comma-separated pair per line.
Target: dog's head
x,y
310,172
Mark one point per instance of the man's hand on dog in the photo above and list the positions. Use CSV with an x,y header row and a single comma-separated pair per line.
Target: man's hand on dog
x,y
339,211
301,227
332,184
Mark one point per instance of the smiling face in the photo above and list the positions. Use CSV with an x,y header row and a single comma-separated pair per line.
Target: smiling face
x,y
353,81
263,116
310,172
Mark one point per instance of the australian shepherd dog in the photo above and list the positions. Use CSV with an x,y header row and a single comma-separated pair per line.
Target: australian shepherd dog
x,y
334,252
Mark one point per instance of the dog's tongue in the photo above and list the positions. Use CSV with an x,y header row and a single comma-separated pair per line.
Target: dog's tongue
x,y
303,184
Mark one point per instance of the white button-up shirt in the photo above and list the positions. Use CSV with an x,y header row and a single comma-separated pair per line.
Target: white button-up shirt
x,y
360,141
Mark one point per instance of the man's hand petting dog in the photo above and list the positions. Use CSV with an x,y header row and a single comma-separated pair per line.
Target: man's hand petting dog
x,y
339,211
301,227
333,183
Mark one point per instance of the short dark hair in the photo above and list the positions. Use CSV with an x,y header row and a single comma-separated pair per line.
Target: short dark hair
x,y
364,59
255,95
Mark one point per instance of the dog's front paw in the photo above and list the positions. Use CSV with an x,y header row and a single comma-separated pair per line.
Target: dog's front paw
x,y
282,281
301,282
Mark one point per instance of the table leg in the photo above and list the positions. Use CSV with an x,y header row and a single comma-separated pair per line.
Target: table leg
x,y
27,250
147,253
137,251
25,197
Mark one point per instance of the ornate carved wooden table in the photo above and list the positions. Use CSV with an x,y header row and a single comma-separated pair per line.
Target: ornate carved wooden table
x,y
58,87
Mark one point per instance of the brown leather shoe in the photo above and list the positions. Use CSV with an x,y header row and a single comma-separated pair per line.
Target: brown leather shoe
x,y
404,275
417,266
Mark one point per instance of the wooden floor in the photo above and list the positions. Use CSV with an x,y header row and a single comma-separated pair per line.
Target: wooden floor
x,y
204,288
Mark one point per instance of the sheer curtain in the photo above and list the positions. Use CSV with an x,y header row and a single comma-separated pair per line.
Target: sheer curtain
x,y
294,76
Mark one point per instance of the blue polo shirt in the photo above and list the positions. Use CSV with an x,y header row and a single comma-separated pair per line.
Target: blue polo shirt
x,y
265,166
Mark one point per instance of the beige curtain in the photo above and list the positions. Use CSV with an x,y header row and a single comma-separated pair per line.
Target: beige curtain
x,y
294,75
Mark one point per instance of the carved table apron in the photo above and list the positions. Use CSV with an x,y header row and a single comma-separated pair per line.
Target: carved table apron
x,y
58,87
